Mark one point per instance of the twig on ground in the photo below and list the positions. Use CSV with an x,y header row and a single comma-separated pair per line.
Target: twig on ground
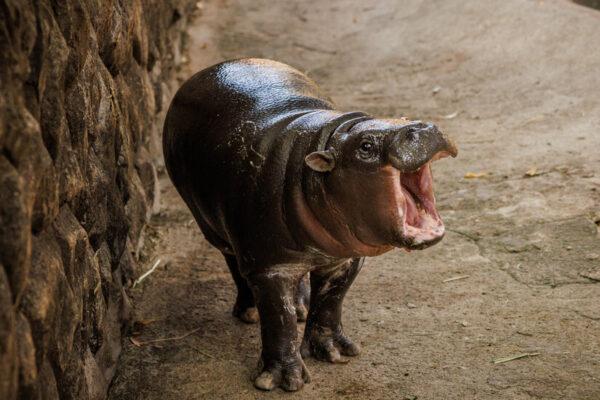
x,y
515,357
145,275
456,278
450,116
524,333
138,343
202,352
595,277
465,234
587,316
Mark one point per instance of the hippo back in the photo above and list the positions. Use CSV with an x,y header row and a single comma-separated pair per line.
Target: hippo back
x,y
227,143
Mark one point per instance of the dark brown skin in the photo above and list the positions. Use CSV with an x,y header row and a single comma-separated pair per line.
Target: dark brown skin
x,y
283,184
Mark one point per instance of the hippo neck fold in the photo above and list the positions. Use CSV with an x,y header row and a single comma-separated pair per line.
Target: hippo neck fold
x,y
326,239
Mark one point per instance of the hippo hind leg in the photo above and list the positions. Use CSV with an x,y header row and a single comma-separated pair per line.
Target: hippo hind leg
x,y
302,298
244,307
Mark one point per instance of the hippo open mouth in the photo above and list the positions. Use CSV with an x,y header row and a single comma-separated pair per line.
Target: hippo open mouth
x,y
421,218
419,223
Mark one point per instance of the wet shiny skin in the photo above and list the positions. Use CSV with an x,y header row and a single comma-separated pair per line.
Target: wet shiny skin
x,y
283,184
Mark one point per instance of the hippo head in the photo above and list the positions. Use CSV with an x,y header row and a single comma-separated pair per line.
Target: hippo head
x,y
376,178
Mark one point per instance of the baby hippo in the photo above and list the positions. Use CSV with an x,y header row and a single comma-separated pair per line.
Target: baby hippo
x,y
284,184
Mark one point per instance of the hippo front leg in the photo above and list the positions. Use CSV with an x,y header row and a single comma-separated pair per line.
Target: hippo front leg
x,y
280,361
323,335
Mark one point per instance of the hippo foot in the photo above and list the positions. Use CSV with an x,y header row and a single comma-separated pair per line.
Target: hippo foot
x,y
302,299
289,376
326,344
246,314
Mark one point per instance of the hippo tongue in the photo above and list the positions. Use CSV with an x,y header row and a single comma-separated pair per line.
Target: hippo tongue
x,y
411,207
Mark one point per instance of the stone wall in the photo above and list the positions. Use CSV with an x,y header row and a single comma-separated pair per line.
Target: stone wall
x,y
84,85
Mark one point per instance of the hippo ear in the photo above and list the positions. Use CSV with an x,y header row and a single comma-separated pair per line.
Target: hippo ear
x,y
321,161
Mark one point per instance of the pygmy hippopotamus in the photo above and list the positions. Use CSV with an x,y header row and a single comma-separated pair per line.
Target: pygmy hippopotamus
x,y
283,184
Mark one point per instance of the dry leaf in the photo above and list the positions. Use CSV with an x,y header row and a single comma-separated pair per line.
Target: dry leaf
x,y
471,175
531,172
135,342
152,227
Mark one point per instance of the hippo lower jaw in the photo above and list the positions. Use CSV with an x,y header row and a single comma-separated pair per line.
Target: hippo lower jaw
x,y
418,223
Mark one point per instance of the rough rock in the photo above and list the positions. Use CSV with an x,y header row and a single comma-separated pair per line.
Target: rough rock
x,y
84,89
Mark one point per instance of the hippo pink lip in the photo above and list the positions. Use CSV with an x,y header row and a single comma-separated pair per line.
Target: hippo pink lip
x,y
418,221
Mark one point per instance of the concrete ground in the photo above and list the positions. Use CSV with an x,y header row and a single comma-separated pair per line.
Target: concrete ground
x,y
516,84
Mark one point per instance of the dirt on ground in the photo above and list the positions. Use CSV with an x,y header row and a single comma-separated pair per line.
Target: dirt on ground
x,y
516,84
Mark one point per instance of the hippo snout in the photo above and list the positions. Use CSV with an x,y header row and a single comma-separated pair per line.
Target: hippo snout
x,y
417,143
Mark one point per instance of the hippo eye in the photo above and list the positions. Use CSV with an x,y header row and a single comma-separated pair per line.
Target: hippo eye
x,y
366,147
